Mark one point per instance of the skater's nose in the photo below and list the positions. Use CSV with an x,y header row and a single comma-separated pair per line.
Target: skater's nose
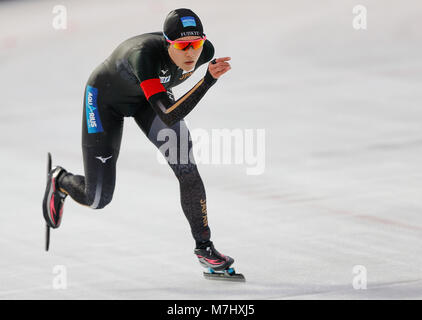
x,y
190,52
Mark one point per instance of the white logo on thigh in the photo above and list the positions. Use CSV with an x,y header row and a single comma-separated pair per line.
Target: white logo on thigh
x,y
103,160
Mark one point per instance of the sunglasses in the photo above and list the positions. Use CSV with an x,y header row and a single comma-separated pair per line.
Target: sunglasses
x,y
184,45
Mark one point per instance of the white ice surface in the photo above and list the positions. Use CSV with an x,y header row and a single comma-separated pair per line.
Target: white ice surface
x,y
343,179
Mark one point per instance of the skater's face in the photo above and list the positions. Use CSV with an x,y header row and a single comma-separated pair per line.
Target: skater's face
x,y
185,59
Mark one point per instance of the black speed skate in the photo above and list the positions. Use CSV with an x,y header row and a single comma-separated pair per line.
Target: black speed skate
x,y
218,265
53,199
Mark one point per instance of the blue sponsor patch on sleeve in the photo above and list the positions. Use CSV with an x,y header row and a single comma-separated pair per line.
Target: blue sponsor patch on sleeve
x,y
92,116
188,22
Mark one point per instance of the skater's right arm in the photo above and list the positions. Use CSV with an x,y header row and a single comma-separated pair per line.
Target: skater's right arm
x,y
171,111
168,110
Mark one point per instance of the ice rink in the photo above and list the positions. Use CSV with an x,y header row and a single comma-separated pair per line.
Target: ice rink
x,y
341,194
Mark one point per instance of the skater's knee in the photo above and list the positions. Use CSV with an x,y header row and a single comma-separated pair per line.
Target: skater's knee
x,y
101,205
102,201
187,173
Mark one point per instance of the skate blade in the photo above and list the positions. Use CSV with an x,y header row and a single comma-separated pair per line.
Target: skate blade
x,y
47,237
226,275
47,228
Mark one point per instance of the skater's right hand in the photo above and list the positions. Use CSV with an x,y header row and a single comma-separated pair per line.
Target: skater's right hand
x,y
219,66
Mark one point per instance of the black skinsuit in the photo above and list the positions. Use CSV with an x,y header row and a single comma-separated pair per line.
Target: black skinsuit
x,y
136,81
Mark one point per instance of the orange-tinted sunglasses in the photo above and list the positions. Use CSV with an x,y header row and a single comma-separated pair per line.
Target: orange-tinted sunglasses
x,y
184,45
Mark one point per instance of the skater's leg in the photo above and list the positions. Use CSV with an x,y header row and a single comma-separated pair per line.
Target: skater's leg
x,y
96,188
100,146
192,191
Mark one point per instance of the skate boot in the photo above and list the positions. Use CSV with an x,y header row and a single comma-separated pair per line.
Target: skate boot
x,y
54,199
218,265
211,258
